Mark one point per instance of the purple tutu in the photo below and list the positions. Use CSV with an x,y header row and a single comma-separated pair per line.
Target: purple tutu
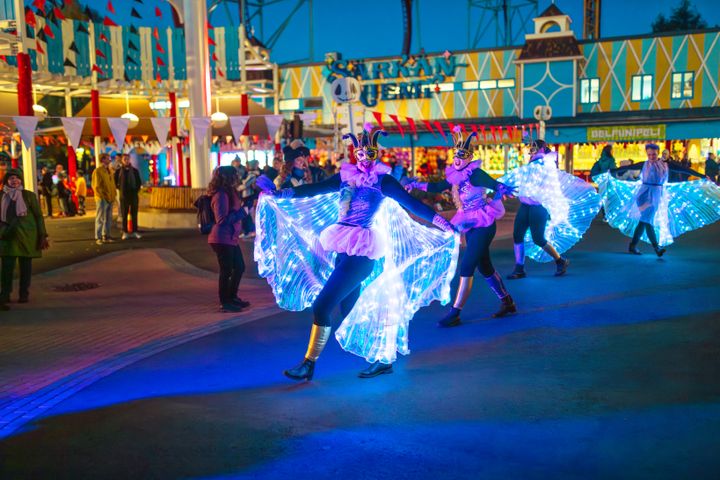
x,y
355,241
479,217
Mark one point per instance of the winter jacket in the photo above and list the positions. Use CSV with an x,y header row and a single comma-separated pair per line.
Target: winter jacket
x,y
604,164
103,184
23,235
228,213
124,183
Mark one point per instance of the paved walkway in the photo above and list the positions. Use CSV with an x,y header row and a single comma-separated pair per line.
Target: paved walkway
x,y
147,301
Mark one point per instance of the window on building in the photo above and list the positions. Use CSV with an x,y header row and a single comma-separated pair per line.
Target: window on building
x,y
488,84
589,90
506,83
642,87
683,85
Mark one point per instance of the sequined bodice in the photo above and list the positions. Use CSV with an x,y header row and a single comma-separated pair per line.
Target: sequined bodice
x,y
358,205
466,195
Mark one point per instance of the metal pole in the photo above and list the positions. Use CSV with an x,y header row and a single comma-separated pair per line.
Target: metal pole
x,y
94,95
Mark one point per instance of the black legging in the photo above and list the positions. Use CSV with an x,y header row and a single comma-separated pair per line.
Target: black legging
x,y
477,251
232,266
342,287
535,218
8,268
649,231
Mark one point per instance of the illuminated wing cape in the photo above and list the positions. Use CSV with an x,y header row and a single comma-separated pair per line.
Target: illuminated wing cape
x,y
571,202
684,206
418,268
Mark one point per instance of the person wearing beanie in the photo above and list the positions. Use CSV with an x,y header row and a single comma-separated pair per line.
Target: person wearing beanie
x,y
22,235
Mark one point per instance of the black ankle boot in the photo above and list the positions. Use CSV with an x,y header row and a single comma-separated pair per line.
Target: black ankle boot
x,y
376,369
659,251
519,272
633,249
303,371
452,319
507,307
561,266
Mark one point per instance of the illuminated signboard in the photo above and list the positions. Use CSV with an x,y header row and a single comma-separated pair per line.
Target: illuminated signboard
x,y
626,133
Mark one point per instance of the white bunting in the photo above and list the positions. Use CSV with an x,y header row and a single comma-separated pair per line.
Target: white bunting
x,y
237,124
162,127
273,123
119,128
26,127
200,127
73,127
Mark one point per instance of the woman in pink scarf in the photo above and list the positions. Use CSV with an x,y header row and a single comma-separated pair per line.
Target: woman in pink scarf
x,y
22,235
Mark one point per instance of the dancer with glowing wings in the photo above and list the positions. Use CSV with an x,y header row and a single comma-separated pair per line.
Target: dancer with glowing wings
x,y
556,207
347,241
653,210
475,217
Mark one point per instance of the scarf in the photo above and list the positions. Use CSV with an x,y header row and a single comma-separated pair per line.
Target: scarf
x,y
12,195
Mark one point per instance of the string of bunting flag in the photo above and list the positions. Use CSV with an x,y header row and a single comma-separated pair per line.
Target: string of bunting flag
x,y
73,127
485,133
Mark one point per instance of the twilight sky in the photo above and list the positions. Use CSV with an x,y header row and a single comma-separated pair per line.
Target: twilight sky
x,y
368,28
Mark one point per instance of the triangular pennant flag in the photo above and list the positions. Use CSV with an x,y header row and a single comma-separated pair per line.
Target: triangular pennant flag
x,y
131,46
214,57
439,128
38,47
48,31
109,23
103,38
200,126
133,29
96,68
209,27
68,63
158,13
237,125
411,123
73,47
134,13
99,53
160,62
39,4
119,128
26,127
58,13
219,72
110,7
429,126
82,28
378,119
158,78
273,123
30,18
211,42
129,59
159,48
394,118
156,33
41,36
73,127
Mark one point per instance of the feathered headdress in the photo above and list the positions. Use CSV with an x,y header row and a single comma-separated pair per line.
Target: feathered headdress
x,y
368,139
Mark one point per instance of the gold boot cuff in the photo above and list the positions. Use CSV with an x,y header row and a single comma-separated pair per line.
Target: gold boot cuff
x,y
318,338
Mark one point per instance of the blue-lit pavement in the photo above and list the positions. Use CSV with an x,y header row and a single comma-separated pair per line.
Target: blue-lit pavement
x,y
609,372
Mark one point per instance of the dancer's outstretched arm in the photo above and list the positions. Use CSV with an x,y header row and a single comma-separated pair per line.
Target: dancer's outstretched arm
x,y
687,171
634,166
392,188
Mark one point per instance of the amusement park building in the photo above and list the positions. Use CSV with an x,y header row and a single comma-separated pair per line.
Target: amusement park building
x,y
626,90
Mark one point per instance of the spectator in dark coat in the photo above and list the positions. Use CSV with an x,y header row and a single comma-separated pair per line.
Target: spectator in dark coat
x,y
712,169
128,183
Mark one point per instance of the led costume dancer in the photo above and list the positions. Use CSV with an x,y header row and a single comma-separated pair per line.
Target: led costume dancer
x,y
347,242
653,210
475,217
555,206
